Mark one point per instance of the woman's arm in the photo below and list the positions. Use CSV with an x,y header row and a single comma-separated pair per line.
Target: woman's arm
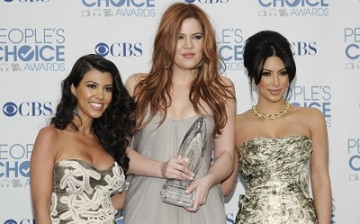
x,y
223,165
118,200
176,168
41,171
229,184
320,179
139,165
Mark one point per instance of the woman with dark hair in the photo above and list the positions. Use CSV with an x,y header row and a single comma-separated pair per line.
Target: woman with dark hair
x,y
79,160
280,144
183,84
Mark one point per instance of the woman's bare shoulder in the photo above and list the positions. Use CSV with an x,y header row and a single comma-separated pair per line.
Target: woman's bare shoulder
x,y
243,117
133,80
243,123
307,112
48,140
227,81
243,120
309,115
50,132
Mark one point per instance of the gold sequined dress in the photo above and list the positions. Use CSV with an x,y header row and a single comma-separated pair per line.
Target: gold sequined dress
x,y
275,174
82,194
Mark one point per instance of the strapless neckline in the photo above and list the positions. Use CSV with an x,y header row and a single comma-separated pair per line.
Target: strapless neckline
x,y
87,164
275,175
305,137
81,193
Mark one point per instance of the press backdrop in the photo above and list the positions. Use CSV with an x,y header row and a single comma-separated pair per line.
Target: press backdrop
x,y
41,39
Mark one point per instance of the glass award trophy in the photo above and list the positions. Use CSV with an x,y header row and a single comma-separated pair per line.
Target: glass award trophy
x,y
192,148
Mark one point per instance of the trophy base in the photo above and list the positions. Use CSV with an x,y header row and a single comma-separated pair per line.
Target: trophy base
x,y
176,196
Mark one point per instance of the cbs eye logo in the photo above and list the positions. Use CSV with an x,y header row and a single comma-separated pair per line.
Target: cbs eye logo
x,y
10,221
28,109
24,221
119,49
10,109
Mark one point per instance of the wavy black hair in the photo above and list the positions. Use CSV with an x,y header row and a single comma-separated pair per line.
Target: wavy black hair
x,y
116,125
265,44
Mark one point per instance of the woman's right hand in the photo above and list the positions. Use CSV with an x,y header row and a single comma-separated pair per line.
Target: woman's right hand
x,y
176,168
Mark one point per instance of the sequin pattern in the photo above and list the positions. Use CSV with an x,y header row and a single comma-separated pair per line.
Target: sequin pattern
x,y
275,174
82,194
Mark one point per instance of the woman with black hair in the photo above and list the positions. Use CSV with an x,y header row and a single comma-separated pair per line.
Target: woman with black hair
x,y
280,144
79,160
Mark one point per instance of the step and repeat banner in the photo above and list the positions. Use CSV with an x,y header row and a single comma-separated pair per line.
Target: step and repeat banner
x,y
40,40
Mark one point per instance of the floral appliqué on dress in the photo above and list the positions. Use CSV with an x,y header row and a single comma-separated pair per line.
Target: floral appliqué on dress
x,y
82,194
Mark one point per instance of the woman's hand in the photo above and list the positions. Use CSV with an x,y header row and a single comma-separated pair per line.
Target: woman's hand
x,y
201,188
176,168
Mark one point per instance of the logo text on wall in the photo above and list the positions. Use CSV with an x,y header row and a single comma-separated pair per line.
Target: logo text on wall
x,y
15,165
32,49
118,8
317,96
352,48
119,49
20,221
294,8
27,109
302,48
230,47
353,149
27,1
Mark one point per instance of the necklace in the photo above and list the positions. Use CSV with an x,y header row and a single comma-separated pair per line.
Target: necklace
x,y
271,116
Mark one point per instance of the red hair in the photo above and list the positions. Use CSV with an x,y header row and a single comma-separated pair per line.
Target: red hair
x,y
153,92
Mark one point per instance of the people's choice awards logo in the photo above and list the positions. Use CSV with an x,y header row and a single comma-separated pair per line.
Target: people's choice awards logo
x,y
352,48
118,8
293,8
353,149
15,165
27,1
317,96
230,47
32,49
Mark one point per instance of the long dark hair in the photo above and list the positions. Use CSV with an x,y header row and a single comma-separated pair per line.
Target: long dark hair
x,y
116,124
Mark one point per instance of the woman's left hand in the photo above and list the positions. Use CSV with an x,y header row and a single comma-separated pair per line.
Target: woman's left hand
x,y
201,188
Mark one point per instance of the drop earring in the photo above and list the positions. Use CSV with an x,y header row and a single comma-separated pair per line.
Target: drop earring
x,y
75,111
